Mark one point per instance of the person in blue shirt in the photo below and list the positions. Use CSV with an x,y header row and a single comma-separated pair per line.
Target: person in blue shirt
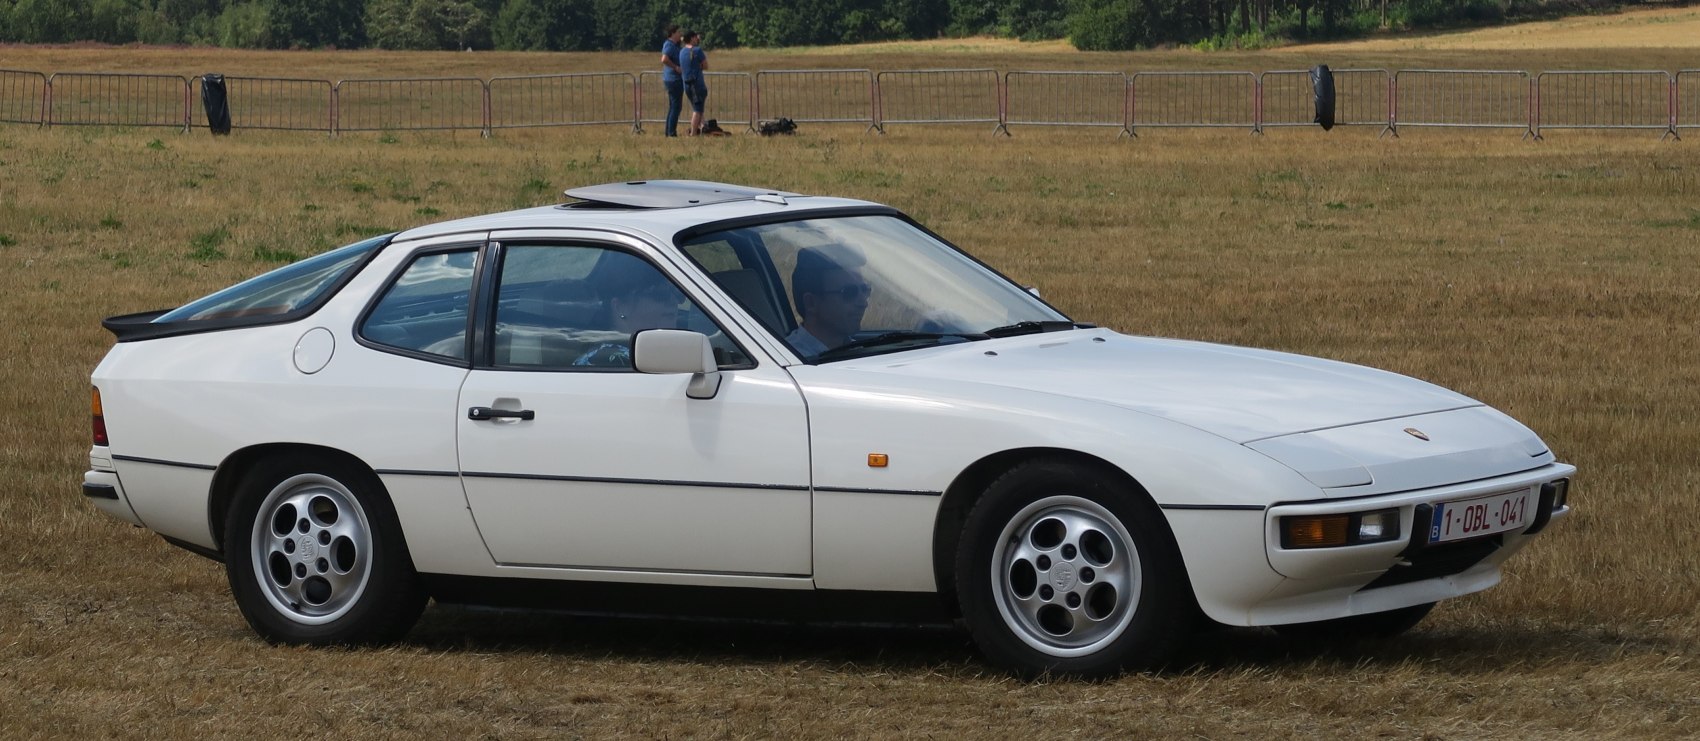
x,y
693,61
670,77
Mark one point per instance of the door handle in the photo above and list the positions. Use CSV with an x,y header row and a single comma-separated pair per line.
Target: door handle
x,y
480,414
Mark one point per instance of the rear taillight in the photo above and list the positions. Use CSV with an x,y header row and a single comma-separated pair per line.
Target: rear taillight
x,y
99,419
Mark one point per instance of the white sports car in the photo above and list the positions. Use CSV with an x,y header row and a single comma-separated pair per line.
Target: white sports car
x,y
758,400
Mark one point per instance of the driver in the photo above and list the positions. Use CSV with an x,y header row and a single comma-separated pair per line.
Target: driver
x,y
830,296
636,297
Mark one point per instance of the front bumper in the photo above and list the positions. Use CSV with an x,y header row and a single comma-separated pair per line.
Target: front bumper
x,y
1327,583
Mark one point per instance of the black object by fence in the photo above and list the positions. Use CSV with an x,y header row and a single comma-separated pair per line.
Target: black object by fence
x,y
216,103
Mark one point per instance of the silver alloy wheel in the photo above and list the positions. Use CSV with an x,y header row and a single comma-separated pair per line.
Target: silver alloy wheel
x,y
311,548
1065,576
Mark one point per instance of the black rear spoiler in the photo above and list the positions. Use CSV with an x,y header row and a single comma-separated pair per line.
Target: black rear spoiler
x,y
136,327
128,327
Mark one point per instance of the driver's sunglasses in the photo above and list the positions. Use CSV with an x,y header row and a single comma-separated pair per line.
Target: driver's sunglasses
x,y
852,292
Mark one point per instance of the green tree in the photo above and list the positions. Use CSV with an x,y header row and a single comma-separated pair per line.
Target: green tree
x,y
426,24
316,23
1108,25
554,25
521,26
621,24
972,17
48,21
155,27
1033,19
245,25
113,21
192,19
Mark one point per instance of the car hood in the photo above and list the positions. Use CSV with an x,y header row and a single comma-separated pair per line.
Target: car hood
x,y
1241,394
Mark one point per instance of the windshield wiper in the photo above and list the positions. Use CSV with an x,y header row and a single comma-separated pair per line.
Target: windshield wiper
x,y
890,338
1031,327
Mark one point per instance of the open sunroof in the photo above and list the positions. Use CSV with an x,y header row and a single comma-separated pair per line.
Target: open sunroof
x,y
664,194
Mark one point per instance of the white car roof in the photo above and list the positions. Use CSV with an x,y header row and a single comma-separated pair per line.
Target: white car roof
x,y
667,207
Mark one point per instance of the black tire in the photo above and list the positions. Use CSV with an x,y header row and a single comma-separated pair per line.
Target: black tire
x,y
383,597
1375,626
1010,526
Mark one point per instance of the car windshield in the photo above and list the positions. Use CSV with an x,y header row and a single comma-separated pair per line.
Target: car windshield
x,y
280,291
846,287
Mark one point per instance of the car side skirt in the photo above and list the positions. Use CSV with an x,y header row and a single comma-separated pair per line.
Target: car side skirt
x,y
657,600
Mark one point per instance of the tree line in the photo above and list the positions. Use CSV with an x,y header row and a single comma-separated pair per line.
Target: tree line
x,y
590,25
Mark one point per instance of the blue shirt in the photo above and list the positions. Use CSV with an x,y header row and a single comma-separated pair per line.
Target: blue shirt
x,y
607,355
806,345
690,61
670,50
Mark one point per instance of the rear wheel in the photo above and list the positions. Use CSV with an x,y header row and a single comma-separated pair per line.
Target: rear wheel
x,y
1063,570
314,555
1374,626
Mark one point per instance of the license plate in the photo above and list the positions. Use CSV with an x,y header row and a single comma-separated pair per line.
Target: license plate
x,y
1474,518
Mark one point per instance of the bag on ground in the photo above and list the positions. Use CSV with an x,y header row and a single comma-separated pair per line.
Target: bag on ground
x,y
777,126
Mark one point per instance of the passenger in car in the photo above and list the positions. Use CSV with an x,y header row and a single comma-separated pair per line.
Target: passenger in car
x,y
635,297
831,298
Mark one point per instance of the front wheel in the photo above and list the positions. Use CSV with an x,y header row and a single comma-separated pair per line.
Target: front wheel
x,y
1062,569
315,555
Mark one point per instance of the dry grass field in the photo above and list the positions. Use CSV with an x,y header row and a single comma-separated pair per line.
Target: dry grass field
x,y
1634,29
1555,280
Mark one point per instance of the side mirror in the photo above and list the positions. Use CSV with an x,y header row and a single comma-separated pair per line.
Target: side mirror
x,y
678,351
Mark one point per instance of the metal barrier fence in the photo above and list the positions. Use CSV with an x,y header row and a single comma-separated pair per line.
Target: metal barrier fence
x,y
1510,99
1066,99
731,99
23,96
1193,99
117,99
1362,97
817,96
586,99
939,96
412,104
1483,99
1611,99
271,103
1687,97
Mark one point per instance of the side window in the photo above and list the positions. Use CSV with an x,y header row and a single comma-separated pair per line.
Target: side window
x,y
576,307
425,310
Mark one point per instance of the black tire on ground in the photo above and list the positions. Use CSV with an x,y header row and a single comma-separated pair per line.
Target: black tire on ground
x,y
1371,627
386,596
1053,517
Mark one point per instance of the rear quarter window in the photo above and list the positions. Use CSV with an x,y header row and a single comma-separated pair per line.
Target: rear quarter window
x,y
425,311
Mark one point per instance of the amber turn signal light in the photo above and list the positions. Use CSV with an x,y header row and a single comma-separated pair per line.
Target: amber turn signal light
x,y
1319,531
1328,531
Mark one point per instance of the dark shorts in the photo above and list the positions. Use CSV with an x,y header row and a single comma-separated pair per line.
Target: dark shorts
x,y
696,91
